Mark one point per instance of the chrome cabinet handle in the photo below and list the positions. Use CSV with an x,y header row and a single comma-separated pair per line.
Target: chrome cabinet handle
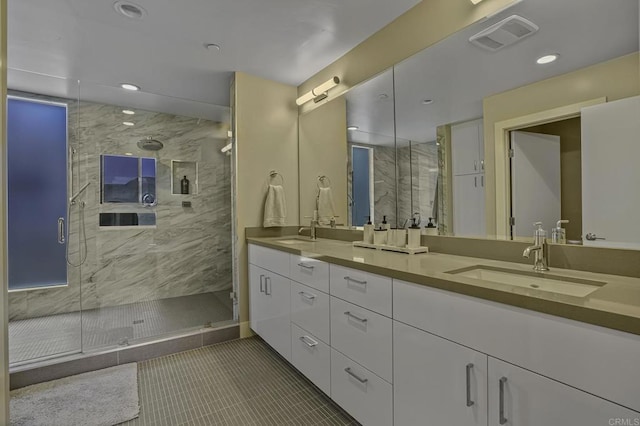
x,y
355,317
469,401
482,181
61,230
475,165
481,164
355,376
308,341
355,281
267,286
503,419
475,181
306,295
303,265
261,283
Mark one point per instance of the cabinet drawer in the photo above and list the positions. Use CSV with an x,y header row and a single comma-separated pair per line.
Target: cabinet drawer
x,y
597,360
270,259
363,336
310,310
312,357
362,288
365,396
311,272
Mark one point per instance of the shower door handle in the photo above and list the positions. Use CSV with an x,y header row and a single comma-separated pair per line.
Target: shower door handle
x,y
61,230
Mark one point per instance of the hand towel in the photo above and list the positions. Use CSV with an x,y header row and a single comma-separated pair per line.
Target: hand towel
x,y
326,208
275,207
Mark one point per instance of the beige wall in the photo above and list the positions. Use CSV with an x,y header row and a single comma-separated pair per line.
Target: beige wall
x,y
615,79
570,171
425,24
266,135
322,143
4,309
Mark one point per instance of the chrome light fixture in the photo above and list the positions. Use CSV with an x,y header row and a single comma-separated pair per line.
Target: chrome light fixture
x,y
319,93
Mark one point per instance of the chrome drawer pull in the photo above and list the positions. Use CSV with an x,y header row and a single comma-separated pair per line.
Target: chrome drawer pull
x,y
306,342
355,317
303,265
267,286
261,283
469,401
355,376
503,419
306,295
355,281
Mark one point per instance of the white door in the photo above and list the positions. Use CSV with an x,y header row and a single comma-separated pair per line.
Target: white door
x,y
535,182
275,328
468,206
610,173
528,399
437,382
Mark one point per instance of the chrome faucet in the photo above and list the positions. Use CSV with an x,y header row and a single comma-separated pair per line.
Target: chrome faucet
x,y
540,249
312,228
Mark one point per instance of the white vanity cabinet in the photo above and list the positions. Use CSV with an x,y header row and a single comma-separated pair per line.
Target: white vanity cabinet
x,y
270,300
437,382
518,397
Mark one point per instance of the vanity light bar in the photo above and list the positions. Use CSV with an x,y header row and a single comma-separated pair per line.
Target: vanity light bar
x,y
318,91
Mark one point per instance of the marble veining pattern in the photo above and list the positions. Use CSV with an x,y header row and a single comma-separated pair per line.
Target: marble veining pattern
x,y
189,250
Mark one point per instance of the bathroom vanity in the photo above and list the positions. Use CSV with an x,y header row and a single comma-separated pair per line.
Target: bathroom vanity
x,y
449,340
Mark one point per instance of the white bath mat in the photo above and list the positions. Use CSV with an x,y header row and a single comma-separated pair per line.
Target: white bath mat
x,y
98,398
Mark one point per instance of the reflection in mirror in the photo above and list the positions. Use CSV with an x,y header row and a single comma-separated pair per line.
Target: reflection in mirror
x,y
485,106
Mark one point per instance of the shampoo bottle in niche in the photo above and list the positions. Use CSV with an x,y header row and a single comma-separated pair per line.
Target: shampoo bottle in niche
x,y
414,233
431,228
184,185
368,232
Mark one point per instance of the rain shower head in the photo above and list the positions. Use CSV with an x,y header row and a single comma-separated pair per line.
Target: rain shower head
x,y
150,144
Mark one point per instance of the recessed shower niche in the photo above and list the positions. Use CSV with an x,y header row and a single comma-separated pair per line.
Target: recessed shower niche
x,y
184,177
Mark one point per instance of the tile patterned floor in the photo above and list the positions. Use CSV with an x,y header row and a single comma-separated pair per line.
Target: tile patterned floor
x,y
239,383
38,337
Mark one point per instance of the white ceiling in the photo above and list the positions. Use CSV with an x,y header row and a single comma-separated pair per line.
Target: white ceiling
x,y
282,40
458,75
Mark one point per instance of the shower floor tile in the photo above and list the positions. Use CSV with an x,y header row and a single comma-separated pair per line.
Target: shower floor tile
x,y
243,382
35,338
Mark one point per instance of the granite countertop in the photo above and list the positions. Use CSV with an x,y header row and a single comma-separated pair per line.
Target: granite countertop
x,y
615,304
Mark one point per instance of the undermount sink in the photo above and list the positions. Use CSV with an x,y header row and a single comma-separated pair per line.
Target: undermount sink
x,y
295,240
535,280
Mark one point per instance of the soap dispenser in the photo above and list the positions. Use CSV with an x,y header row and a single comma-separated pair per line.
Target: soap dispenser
x,y
430,229
384,224
368,232
414,232
184,185
559,234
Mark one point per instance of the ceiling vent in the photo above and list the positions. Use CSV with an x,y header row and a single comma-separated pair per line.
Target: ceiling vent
x,y
504,33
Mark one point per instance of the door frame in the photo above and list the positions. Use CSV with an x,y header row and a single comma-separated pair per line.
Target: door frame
x,y
503,160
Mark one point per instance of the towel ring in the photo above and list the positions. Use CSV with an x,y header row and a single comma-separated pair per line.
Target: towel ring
x,y
322,180
273,174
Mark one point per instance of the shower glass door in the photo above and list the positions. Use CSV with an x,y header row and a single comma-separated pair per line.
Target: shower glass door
x,y
44,296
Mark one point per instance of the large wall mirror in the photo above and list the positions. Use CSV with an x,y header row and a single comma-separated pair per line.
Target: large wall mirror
x,y
486,140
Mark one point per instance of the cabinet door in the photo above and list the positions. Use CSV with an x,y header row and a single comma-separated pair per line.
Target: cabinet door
x,y
270,308
437,382
467,149
468,205
257,302
518,397
275,327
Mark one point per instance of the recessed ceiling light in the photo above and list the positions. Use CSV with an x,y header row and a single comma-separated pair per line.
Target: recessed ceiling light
x,y
130,10
212,47
128,153
547,59
427,101
129,86
128,112
128,123
353,128
475,1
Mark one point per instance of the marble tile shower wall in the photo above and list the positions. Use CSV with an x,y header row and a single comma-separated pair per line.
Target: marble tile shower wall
x,y
189,250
